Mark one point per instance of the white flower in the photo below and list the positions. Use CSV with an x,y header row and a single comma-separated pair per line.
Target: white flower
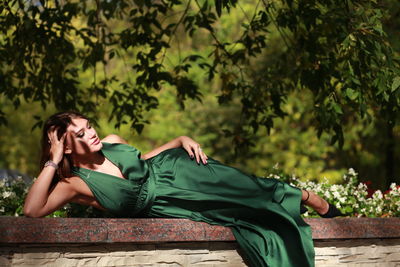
x,y
361,186
378,194
327,194
344,193
7,194
379,209
2,209
352,172
371,209
334,187
336,194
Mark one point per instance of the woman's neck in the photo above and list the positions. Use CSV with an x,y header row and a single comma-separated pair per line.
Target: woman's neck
x,y
88,161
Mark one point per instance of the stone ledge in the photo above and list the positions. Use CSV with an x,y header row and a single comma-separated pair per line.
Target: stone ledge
x,y
109,230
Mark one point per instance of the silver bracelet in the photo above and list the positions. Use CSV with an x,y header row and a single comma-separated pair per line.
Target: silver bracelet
x,y
51,163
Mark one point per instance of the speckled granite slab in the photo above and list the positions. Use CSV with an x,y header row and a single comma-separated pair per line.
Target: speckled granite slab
x,y
100,230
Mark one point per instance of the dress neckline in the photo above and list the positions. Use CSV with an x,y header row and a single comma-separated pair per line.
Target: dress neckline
x,y
90,171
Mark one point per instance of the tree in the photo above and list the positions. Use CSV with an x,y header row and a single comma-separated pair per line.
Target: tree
x,y
337,50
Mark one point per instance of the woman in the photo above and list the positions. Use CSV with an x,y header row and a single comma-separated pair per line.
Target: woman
x,y
174,180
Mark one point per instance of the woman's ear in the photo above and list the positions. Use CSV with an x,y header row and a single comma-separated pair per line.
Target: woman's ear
x,y
67,150
67,143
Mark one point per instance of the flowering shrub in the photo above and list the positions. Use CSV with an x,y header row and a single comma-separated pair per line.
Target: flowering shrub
x,y
12,194
351,198
12,197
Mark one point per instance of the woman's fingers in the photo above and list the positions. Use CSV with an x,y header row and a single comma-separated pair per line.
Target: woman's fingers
x,y
194,150
52,134
56,144
197,153
189,151
203,157
49,135
62,139
200,155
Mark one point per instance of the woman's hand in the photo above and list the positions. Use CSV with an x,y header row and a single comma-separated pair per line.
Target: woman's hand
x,y
57,145
194,150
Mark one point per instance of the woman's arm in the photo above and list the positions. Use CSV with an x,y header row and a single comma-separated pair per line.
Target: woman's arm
x,y
192,147
41,199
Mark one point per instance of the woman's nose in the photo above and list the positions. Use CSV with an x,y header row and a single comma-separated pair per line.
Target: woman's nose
x,y
92,133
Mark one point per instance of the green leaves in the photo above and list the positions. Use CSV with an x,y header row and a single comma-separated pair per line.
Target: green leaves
x,y
219,4
396,83
337,50
352,94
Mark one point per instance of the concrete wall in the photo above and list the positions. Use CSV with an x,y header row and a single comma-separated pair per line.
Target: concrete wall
x,y
177,242
170,254
362,252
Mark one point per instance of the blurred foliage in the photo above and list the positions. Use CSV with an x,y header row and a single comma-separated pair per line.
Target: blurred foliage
x,y
261,82
337,50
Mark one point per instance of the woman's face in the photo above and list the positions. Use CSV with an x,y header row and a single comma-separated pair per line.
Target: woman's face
x,y
82,138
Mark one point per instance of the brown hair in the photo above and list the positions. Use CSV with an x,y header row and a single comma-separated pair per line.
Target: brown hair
x,y
61,121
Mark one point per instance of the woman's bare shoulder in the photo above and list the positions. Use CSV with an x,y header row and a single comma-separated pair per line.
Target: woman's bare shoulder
x,y
113,138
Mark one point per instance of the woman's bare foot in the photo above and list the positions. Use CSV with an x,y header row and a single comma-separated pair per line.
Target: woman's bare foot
x,y
314,201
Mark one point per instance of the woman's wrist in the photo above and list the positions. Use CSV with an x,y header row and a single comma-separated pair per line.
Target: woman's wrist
x,y
56,159
181,139
51,163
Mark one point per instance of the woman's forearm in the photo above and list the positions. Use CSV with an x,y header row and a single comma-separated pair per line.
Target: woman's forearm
x,y
39,192
177,142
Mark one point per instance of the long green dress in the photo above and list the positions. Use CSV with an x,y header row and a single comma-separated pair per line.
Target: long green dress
x,y
262,213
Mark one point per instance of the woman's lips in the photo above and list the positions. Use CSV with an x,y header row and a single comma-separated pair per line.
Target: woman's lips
x,y
96,141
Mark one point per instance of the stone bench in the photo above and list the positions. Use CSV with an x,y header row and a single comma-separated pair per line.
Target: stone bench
x,y
181,242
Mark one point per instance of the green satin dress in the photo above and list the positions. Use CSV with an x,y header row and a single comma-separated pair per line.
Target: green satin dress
x,y
263,213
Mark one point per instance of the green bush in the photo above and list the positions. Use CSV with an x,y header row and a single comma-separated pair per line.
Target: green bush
x,y
351,197
12,195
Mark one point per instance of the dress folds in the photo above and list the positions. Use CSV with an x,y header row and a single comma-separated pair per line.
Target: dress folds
x,y
263,213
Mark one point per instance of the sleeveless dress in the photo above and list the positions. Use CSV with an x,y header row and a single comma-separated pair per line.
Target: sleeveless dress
x,y
263,213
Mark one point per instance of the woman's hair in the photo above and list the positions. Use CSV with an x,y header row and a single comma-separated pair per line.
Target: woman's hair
x,y
59,121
